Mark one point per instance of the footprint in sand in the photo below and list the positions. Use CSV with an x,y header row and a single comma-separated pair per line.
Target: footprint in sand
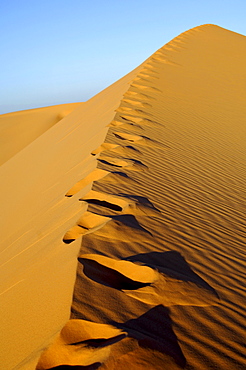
x,y
148,75
147,284
131,110
95,175
137,95
88,223
131,120
105,200
116,123
81,343
103,147
137,139
144,87
113,162
130,164
132,138
136,103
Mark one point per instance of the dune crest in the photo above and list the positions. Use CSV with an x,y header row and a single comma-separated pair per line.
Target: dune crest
x,y
182,210
145,182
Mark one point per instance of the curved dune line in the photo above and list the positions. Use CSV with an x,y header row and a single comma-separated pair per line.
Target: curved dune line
x,y
136,103
93,176
103,147
115,123
147,74
138,95
87,223
114,161
132,119
106,200
128,137
142,274
146,88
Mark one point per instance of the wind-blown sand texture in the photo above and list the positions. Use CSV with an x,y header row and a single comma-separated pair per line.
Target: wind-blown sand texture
x,y
145,184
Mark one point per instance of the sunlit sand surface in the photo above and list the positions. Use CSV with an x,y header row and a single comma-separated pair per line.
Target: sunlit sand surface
x,y
143,189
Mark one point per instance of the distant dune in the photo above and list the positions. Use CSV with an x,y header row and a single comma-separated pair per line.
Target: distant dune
x,y
142,188
19,129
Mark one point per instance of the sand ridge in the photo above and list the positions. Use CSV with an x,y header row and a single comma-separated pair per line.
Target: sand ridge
x,y
115,256
191,215
48,177
158,201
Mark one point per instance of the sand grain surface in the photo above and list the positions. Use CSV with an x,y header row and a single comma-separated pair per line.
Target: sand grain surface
x,y
145,184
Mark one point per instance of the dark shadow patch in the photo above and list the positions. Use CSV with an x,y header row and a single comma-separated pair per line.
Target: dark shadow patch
x,y
136,125
154,330
134,162
155,88
140,200
143,112
131,221
103,203
132,148
173,264
108,163
107,276
99,343
122,174
126,119
120,137
94,366
68,241
131,122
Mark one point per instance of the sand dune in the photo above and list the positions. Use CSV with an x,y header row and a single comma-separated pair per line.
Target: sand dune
x,y
19,129
145,184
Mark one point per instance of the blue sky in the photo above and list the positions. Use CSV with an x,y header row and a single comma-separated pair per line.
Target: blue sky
x,y
57,51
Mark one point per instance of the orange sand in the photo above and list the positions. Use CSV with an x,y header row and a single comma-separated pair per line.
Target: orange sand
x,y
152,173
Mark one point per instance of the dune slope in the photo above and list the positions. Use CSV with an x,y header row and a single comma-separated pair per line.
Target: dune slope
x,y
145,184
168,268
37,267
18,129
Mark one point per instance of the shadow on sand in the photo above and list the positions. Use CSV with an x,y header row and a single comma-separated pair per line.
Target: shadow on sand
x,y
154,330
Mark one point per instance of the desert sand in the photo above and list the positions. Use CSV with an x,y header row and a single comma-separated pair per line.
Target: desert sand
x,y
19,129
123,219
